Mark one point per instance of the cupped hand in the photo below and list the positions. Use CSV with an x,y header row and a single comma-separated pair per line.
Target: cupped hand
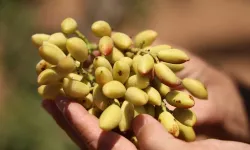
x,y
223,115
83,129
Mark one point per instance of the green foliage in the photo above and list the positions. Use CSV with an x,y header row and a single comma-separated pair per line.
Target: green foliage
x,y
24,124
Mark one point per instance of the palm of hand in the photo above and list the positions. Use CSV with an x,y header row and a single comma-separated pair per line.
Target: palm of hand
x,y
223,114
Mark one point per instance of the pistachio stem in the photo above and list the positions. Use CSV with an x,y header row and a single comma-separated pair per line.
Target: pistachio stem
x,y
134,50
142,44
141,51
147,52
89,77
155,57
92,47
163,107
82,37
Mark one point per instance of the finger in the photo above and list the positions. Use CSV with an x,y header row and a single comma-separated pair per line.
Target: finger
x,y
152,135
221,145
87,126
52,109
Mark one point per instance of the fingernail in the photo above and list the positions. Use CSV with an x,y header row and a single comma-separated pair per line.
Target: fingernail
x,y
61,103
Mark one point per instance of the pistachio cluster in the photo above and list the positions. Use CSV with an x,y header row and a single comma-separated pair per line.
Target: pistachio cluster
x,y
118,78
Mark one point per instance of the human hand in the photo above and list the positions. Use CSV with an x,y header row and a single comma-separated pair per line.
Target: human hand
x,y
152,135
83,129
223,115
212,114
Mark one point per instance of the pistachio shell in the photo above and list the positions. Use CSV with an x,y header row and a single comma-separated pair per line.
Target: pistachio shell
x,y
166,75
121,71
155,49
86,82
170,124
69,25
77,48
103,75
154,96
180,99
115,55
114,89
106,45
136,96
174,56
145,64
41,66
101,28
39,38
145,38
51,53
186,133
121,40
138,81
110,117
127,116
162,88
75,89
49,91
185,116
129,54
136,61
101,61
100,100
59,39
87,101
127,60
66,65
48,76
175,67
74,76
195,87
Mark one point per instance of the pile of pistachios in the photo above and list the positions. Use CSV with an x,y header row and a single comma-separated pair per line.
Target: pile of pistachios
x,y
118,77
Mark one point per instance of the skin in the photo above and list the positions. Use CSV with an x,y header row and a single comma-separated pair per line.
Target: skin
x,y
216,115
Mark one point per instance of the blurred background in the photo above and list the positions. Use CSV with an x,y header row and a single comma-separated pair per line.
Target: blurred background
x,y
216,30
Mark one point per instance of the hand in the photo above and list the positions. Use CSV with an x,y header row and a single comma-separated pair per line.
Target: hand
x,y
211,113
223,115
152,135
83,129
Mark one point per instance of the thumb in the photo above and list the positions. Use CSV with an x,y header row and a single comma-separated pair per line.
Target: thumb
x,y
151,135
